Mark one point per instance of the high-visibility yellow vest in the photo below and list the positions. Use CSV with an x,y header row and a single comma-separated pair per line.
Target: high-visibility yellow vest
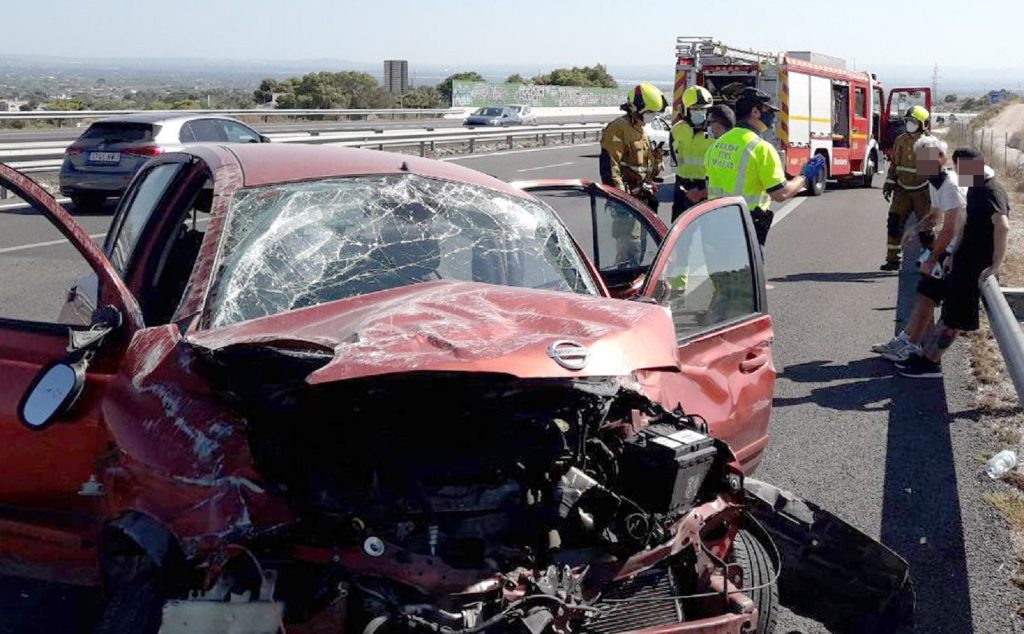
x,y
690,146
741,163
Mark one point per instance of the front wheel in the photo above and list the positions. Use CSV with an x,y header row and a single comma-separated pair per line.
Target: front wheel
x,y
759,573
135,599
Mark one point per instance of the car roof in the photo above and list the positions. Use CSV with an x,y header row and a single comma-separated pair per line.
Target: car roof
x,y
159,117
272,163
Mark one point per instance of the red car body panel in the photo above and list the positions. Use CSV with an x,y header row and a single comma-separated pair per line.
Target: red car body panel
x,y
465,327
165,444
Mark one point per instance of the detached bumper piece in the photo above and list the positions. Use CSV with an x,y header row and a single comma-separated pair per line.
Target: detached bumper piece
x,y
219,611
831,571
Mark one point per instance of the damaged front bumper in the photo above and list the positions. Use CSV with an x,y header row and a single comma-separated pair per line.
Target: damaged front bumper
x,y
830,571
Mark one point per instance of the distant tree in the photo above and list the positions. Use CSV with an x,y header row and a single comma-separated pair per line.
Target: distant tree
x,y
64,104
323,90
950,99
445,87
515,79
422,97
588,76
267,88
186,104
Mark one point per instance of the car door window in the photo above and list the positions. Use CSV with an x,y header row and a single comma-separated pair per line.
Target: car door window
x,y
618,240
187,135
207,130
142,200
709,277
238,133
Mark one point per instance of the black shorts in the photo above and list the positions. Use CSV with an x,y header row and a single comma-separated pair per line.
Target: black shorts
x,y
960,310
933,289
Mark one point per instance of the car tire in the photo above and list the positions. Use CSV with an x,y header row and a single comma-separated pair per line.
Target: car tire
x,y
758,570
88,203
134,601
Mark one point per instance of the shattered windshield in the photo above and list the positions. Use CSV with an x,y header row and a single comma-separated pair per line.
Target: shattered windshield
x,y
302,244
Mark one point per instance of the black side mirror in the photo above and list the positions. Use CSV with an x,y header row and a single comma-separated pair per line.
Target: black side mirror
x,y
264,138
52,393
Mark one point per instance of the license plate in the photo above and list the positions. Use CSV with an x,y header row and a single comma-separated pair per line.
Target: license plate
x,y
104,157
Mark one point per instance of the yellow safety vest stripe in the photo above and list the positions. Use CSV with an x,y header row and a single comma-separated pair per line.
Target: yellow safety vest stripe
x,y
732,181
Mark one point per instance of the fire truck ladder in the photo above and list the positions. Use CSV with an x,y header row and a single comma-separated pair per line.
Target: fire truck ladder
x,y
695,47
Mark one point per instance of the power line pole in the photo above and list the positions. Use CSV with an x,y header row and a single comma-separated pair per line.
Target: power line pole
x,y
935,83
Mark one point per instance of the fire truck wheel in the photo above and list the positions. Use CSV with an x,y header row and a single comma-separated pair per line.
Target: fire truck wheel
x,y
869,171
818,188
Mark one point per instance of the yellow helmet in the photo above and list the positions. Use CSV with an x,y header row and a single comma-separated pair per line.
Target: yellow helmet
x,y
647,98
697,97
919,113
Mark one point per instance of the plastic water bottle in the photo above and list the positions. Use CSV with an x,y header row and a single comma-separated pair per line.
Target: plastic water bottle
x,y
1001,463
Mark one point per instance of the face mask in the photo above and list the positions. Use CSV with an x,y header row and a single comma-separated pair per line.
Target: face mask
x,y
698,117
648,117
912,127
768,118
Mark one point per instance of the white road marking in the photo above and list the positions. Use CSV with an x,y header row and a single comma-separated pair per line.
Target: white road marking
x,y
538,149
14,204
50,243
547,167
787,209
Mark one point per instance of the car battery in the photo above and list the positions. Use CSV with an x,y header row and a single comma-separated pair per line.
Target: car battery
x,y
663,467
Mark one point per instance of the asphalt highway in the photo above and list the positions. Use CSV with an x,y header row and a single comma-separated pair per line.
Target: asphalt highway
x,y
896,458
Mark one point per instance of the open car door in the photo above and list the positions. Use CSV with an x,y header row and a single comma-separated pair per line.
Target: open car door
x,y
53,373
618,233
893,119
709,274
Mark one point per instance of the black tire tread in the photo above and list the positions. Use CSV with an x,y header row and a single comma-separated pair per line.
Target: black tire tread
x,y
135,606
757,566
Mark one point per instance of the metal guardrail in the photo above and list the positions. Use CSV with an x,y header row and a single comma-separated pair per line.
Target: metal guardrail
x,y
45,157
254,112
1007,331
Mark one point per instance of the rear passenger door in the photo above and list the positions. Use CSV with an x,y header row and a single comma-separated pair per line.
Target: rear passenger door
x,y
235,132
202,131
709,274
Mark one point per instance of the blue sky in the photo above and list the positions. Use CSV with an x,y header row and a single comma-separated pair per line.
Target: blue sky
x,y
530,32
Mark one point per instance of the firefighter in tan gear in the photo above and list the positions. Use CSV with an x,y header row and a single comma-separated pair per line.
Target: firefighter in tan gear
x,y
691,140
904,188
628,162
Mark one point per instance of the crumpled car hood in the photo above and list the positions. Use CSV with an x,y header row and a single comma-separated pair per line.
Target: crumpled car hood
x,y
463,327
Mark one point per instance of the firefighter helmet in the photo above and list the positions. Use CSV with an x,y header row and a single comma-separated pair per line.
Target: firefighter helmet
x,y
697,97
919,113
647,98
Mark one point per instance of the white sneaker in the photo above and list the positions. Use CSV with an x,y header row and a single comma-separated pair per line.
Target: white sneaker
x,y
904,352
892,345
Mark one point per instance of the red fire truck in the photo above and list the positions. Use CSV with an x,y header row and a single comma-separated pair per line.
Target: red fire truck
x,y
825,108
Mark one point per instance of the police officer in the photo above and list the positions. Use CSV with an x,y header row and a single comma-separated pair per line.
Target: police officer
x,y
904,188
741,163
628,162
691,140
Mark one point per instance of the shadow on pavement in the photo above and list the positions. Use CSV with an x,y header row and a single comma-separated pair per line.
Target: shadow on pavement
x,y
921,505
866,277
35,607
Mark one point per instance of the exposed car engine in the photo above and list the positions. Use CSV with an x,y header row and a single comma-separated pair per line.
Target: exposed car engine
x,y
462,504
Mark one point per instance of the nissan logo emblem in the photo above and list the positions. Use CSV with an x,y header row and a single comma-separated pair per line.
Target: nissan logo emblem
x,y
568,354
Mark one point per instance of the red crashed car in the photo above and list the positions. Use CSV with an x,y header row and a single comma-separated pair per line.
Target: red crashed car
x,y
353,391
